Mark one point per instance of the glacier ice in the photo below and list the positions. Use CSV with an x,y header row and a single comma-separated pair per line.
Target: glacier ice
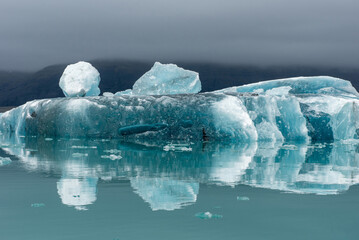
x,y
79,80
295,109
125,92
300,85
242,198
165,79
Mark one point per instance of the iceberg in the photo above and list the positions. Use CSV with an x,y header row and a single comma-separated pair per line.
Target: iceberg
x,y
165,79
79,80
297,109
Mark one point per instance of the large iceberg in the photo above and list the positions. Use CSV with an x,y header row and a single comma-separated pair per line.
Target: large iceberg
x,y
165,79
79,80
299,109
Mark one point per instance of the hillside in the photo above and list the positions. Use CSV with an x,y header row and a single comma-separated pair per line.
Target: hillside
x,y
17,88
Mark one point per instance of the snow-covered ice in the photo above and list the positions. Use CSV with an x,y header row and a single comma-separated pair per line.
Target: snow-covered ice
x,y
79,80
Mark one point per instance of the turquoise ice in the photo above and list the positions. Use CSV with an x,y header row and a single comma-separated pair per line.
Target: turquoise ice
x,y
299,109
165,79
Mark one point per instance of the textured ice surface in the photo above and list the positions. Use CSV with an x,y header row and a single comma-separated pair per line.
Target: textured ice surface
x,y
167,79
4,161
301,85
125,92
79,80
265,114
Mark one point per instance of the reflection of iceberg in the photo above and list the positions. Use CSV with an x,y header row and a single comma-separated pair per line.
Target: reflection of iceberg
x,y
229,166
170,179
165,194
77,192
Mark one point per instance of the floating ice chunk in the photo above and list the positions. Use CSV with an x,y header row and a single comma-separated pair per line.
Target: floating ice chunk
x,y
112,157
79,155
113,151
289,147
208,215
301,85
177,147
4,161
239,198
164,79
83,147
37,205
79,80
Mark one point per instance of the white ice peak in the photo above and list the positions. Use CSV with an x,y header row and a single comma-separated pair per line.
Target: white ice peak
x,y
79,80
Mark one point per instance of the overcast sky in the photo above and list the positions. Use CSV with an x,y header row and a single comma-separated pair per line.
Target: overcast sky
x,y
37,33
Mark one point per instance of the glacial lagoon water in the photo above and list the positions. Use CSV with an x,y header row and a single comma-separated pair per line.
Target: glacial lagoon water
x,y
110,189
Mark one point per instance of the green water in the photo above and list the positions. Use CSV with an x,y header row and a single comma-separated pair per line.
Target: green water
x,y
106,189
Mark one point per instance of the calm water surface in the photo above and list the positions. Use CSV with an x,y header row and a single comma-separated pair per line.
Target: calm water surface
x,y
108,189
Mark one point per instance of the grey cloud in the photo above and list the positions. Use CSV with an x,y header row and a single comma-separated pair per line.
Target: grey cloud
x,y
37,33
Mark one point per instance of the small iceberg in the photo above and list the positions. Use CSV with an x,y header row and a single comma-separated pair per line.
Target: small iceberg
x,y
79,80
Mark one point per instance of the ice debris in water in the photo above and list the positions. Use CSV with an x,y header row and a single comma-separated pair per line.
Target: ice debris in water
x,y
239,198
165,79
112,157
37,205
4,161
84,147
177,147
208,215
79,155
79,80
113,151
